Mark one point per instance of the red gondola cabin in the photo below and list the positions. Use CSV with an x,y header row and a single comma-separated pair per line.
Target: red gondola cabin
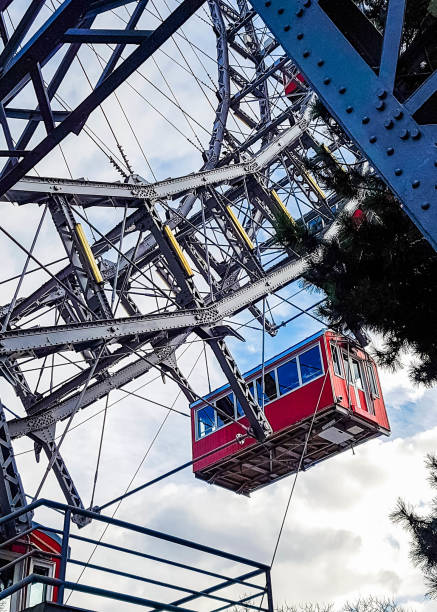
x,y
325,371
293,85
35,553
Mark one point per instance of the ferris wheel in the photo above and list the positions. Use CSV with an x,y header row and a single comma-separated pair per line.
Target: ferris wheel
x,y
138,266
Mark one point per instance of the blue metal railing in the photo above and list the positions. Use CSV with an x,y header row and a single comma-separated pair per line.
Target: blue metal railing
x,y
216,594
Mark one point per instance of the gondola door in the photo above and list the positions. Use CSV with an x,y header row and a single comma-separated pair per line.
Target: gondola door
x,y
356,382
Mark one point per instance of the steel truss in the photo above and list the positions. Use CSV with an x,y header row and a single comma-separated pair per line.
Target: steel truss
x,y
380,88
188,254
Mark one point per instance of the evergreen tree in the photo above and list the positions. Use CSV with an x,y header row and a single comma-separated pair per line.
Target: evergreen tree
x,y
380,273
423,531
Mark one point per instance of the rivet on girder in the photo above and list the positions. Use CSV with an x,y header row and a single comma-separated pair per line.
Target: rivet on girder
x,y
306,53
350,109
381,93
268,3
300,12
380,106
342,90
425,206
390,151
388,124
398,171
327,80
307,3
320,62
280,11
365,120
299,36
373,139
415,184
405,134
416,134
286,28
398,115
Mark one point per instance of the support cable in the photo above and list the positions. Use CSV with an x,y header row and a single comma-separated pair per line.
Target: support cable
x,y
125,391
29,255
99,454
149,448
64,433
293,486
263,355
175,470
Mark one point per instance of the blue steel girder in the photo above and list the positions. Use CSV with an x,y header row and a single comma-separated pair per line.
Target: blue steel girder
x,y
363,101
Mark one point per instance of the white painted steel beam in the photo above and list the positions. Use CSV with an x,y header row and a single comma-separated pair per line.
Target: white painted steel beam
x,y
64,337
31,189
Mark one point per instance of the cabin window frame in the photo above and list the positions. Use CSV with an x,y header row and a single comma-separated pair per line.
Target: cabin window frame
x,y
298,375
259,376
371,377
47,588
217,415
300,372
337,351
365,367
197,422
361,374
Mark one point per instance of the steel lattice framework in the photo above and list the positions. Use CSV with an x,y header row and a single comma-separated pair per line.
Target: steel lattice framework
x,y
189,252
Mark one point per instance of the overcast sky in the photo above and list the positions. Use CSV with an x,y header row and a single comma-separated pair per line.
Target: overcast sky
x,y
338,542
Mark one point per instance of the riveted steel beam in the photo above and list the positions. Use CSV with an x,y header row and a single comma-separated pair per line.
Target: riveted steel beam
x,y
93,193
65,337
89,285
12,496
95,391
363,99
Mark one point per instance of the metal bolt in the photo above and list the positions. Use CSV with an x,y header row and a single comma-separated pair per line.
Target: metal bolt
x,y
300,12
415,184
350,109
280,11
307,3
327,81
405,134
380,106
300,36
398,115
381,93
268,3
320,62
306,53
398,171
416,134
342,90
373,139
388,124
390,151
425,206
286,28
365,120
